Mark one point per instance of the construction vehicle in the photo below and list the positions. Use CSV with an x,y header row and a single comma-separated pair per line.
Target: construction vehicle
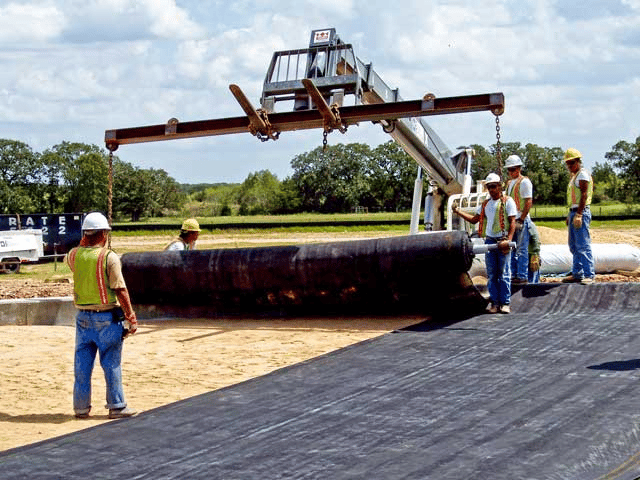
x,y
18,247
317,80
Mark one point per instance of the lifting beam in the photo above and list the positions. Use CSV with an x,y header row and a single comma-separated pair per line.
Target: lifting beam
x,y
263,125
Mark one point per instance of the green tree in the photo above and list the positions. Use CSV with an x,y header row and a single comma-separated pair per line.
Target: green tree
x,y
80,171
392,172
290,199
20,177
259,194
130,190
606,182
221,196
333,180
543,165
625,158
163,192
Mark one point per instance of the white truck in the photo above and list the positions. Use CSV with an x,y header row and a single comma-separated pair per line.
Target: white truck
x,y
19,246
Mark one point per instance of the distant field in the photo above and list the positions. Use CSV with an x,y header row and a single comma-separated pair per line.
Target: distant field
x,y
343,222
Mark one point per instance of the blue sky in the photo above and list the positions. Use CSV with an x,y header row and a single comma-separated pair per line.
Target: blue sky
x,y
71,69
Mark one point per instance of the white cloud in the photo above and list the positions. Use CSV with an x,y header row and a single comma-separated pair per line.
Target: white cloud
x,y
122,20
30,23
98,64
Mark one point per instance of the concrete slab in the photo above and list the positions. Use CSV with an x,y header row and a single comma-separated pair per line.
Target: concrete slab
x,y
548,392
38,311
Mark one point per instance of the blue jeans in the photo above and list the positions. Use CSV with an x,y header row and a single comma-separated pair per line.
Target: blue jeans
x,y
97,332
534,277
498,274
520,258
580,246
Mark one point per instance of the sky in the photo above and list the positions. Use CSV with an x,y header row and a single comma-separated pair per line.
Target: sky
x,y
71,69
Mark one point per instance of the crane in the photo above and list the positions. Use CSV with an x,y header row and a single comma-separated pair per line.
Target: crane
x,y
317,79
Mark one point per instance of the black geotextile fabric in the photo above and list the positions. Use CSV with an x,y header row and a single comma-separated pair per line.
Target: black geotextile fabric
x,y
548,392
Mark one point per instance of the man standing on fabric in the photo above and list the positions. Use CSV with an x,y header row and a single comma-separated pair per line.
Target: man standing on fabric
x,y
520,189
496,216
579,193
104,309
188,235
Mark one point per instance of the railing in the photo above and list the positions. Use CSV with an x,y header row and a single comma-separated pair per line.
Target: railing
x,y
331,67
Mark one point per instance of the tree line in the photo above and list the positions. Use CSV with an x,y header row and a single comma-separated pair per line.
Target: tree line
x,y
72,177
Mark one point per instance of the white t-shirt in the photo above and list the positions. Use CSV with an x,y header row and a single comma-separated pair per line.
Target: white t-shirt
x,y
176,246
490,212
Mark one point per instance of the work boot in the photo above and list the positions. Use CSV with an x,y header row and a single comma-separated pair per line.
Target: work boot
x,y
571,279
82,416
492,308
587,281
505,309
122,412
519,281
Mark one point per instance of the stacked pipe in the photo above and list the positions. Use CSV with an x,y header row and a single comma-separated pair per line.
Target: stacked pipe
x,y
423,274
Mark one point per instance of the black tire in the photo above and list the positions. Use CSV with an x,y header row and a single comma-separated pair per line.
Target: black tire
x,y
12,268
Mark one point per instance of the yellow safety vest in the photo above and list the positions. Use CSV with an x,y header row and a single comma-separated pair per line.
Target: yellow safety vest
x,y
498,220
515,193
574,193
90,282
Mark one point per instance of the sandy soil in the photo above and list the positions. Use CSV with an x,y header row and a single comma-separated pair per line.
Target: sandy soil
x,y
172,360
162,363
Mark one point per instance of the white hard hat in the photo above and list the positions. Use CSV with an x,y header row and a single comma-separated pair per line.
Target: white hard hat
x,y
513,161
492,178
95,221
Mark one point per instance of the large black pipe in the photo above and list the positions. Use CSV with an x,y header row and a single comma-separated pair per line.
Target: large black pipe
x,y
419,273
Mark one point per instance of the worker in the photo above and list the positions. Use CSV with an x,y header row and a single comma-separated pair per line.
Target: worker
x,y
105,317
496,216
520,189
579,193
188,235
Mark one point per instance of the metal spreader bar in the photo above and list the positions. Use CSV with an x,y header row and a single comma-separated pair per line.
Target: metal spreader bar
x,y
259,124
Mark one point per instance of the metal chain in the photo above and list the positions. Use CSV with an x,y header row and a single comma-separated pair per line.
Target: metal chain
x,y
110,194
324,140
498,146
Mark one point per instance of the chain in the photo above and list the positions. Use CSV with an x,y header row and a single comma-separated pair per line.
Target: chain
x,y
498,146
110,193
324,140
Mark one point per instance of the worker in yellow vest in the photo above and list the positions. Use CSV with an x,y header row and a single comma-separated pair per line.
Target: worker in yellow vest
x,y
188,235
579,194
520,189
496,217
105,317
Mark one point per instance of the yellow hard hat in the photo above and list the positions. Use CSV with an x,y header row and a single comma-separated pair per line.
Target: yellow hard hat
x,y
571,153
190,225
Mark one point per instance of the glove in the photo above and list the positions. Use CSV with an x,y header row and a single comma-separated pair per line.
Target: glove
x,y
577,221
519,225
130,326
534,262
503,246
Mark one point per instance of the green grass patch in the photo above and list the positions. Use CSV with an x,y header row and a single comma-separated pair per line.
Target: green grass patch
x,y
541,211
294,218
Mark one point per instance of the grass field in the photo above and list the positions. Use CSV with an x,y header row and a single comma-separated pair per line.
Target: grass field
x,y
538,212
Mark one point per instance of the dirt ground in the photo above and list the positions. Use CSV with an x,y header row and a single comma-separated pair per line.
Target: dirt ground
x,y
172,360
